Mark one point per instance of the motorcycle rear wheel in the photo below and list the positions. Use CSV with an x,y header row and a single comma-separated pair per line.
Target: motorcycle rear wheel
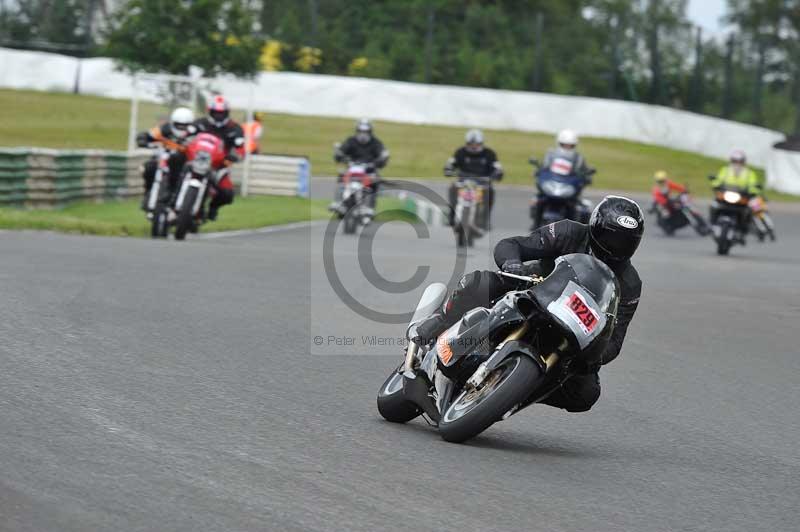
x,y
474,411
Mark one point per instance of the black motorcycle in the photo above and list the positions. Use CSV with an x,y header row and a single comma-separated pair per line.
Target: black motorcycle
x,y
730,217
496,361
558,194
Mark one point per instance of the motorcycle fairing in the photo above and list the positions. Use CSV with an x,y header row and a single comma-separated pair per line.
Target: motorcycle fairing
x,y
581,295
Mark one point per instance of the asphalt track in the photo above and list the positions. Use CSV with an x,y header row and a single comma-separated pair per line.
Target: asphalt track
x,y
178,386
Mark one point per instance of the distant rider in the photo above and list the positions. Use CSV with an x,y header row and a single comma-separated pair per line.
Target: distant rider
x,y
566,150
365,148
738,175
474,159
218,122
665,191
173,136
612,236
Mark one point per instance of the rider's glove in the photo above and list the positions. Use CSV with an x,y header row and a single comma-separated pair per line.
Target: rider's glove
x,y
512,266
232,157
142,140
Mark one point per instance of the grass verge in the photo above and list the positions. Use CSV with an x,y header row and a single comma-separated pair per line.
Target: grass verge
x,y
59,120
124,218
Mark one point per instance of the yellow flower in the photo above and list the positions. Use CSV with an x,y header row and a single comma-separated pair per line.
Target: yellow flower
x,y
357,65
271,56
308,58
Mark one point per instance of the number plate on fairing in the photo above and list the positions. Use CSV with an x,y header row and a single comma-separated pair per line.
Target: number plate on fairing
x,y
578,310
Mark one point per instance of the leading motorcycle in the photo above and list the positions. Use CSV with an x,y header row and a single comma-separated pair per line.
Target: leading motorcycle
x,y
496,361
204,165
559,193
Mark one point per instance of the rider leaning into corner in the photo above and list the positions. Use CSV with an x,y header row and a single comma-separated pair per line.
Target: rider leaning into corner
x,y
474,159
362,147
173,135
218,122
612,236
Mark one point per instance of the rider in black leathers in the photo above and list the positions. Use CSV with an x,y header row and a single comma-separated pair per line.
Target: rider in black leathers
x,y
474,159
362,147
603,237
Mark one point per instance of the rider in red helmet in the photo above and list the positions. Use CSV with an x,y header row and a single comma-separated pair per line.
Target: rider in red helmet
x,y
219,122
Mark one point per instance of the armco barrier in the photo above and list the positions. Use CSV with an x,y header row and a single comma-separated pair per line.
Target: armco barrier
x,y
44,178
274,174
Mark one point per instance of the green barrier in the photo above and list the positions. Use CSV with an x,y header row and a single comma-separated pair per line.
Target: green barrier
x,y
42,178
13,178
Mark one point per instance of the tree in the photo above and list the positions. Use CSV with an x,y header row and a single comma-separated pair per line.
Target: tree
x,y
168,36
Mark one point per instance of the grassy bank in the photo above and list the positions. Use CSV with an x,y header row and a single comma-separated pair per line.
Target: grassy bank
x,y
69,121
125,218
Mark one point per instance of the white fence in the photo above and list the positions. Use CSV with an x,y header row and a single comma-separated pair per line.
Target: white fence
x,y
273,174
308,94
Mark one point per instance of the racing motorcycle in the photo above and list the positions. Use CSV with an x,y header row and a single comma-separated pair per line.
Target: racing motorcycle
x,y
205,157
358,183
159,194
761,222
496,361
730,217
678,213
469,214
559,193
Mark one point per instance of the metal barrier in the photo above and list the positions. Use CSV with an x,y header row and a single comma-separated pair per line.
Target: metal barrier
x,y
273,174
44,178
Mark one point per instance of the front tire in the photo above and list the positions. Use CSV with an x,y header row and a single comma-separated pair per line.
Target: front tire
x,y
724,241
159,226
186,216
474,411
391,403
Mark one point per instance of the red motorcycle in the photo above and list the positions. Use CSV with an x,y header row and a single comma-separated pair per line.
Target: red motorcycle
x,y
206,165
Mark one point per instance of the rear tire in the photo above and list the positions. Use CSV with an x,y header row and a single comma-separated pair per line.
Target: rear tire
x,y
391,403
185,216
472,413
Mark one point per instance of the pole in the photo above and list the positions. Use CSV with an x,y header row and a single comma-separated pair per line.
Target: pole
x,y
537,52
429,42
727,90
247,139
313,9
134,116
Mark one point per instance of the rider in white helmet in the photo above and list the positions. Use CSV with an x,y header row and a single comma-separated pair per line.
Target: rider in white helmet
x,y
566,144
173,135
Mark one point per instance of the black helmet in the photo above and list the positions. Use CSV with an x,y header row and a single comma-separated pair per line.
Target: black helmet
x,y
615,229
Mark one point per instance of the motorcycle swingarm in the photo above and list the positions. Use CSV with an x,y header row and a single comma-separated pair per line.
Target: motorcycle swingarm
x,y
415,388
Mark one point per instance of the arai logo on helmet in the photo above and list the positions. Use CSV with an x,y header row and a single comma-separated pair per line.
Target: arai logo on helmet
x,y
627,222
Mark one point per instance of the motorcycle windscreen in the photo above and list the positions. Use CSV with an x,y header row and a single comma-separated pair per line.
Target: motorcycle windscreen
x,y
581,295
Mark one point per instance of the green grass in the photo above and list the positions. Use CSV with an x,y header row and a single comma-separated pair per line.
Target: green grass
x,y
68,121
124,218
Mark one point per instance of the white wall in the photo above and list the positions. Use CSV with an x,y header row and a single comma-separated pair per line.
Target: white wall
x,y
310,94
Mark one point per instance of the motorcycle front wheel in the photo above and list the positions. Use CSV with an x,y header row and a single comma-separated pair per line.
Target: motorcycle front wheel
x,y
391,403
159,226
186,216
475,410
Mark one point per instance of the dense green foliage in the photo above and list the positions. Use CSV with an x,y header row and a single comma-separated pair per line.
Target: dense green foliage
x,y
642,50
169,36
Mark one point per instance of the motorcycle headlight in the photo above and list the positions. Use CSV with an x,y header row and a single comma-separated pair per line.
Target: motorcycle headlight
x,y
201,163
559,190
731,197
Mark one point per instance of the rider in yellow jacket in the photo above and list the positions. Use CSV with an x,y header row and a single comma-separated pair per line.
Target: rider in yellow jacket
x,y
737,174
